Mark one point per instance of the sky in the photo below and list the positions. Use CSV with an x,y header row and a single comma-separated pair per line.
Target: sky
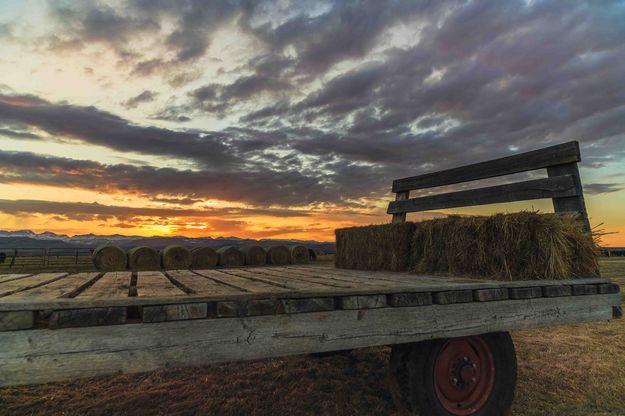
x,y
288,119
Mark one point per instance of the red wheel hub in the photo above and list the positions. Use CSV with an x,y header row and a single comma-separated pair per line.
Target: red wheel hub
x,y
464,374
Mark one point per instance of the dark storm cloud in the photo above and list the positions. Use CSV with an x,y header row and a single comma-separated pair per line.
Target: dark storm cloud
x,y
144,97
602,188
82,211
329,101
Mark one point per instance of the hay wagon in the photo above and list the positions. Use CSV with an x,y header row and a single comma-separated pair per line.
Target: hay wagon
x,y
451,352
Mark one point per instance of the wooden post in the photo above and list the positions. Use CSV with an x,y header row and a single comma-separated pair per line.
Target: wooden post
x,y
401,196
571,203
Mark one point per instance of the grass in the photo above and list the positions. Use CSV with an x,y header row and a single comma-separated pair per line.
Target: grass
x,y
572,371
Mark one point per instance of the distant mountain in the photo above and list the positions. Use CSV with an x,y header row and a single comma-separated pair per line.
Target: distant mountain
x,y
29,239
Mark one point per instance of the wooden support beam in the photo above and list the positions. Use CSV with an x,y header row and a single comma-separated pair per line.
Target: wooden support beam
x,y
554,187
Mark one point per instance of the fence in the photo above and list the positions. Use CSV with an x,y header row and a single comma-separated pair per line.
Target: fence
x,y
15,259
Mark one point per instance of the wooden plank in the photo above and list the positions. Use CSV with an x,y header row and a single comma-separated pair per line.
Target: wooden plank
x,y
196,283
362,302
410,299
489,295
14,320
555,187
291,283
308,305
241,283
580,290
257,307
453,296
68,286
37,356
324,276
570,203
608,288
14,286
523,162
71,318
110,286
14,276
156,284
557,291
228,309
400,216
289,276
163,313
525,292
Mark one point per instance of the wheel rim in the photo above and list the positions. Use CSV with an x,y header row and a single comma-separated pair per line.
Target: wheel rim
x,y
464,375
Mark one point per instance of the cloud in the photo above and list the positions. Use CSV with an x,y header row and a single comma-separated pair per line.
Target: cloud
x,y
602,188
144,97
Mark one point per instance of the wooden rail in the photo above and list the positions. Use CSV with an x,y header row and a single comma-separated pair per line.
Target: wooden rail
x,y
562,185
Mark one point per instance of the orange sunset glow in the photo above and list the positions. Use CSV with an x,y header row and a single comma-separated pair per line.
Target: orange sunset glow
x,y
273,121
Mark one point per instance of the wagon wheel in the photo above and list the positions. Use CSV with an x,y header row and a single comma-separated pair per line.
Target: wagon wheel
x,y
468,376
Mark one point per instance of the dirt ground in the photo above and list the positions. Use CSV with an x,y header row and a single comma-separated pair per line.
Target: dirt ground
x,y
573,371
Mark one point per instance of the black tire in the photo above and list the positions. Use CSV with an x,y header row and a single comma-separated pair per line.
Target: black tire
x,y
416,392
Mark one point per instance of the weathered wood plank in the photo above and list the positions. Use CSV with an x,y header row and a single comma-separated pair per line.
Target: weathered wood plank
x,y
14,286
523,162
570,203
608,288
410,299
525,292
362,302
197,283
37,356
156,284
489,295
242,284
453,296
580,290
308,305
554,187
290,275
165,313
110,286
14,276
556,291
71,318
14,320
65,287
291,283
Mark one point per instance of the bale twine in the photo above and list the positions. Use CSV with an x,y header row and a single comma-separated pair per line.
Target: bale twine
x,y
230,256
109,258
175,257
278,255
143,258
299,254
254,255
203,258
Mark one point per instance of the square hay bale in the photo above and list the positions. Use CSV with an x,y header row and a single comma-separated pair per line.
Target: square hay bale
x,y
375,247
519,246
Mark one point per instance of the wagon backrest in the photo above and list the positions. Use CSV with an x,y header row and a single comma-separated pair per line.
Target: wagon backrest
x,y
562,184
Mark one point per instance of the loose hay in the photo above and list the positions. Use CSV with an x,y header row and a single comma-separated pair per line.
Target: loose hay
x,y
299,254
375,247
278,255
519,246
231,256
203,258
254,255
143,258
175,257
109,258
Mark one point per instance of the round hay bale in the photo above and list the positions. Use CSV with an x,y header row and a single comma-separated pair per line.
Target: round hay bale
x,y
278,255
109,258
203,258
231,256
299,254
175,257
254,255
143,258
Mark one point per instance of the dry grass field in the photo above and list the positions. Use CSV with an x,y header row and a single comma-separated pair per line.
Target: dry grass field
x,y
572,371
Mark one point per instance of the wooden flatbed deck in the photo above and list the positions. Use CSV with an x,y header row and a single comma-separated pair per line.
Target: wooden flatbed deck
x,y
57,326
